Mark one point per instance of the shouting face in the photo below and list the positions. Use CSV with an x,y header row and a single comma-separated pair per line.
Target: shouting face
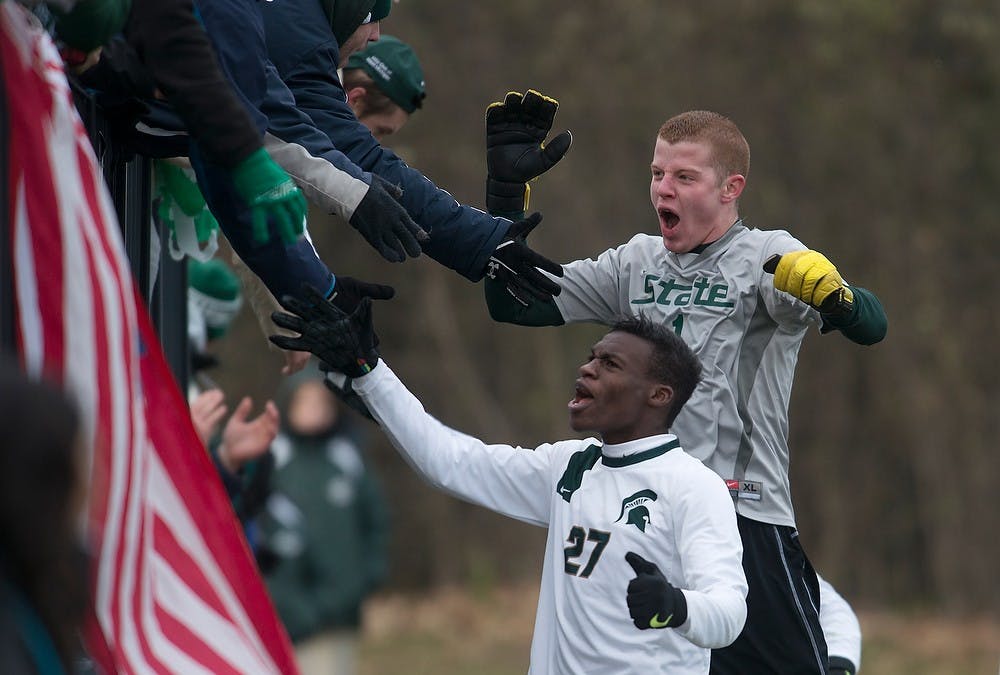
x,y
693,203
615,395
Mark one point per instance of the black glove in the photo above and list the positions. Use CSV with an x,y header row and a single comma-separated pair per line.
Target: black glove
x,y
653,602
839,665
348,291
345,341
514,264
516,151
385,224
340,385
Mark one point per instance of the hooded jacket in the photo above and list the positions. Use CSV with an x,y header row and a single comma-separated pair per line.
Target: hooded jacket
x,y
325,527
302,43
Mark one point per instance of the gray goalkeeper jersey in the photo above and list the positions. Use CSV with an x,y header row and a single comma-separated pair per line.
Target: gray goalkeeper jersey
x,y
746,334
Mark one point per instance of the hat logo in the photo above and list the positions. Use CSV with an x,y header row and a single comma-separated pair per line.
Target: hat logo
x,y
379,66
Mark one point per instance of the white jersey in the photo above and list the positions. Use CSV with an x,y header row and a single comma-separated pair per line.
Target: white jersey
x,y
746,335
598,503
840,625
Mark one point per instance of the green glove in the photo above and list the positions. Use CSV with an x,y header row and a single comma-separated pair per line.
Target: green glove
x,y
180,200
269,191
516,151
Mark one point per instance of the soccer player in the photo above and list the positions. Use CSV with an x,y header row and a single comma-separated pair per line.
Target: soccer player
x,y
642,569
704,277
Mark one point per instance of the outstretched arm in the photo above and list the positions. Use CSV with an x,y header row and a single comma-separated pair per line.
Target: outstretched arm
x,y
813,279
506,479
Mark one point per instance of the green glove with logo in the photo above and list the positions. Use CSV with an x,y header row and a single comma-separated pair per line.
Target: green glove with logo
x,y
270,192
516,151
653,602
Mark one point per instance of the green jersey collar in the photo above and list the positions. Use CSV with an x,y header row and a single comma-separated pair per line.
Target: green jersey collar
x,y
628,460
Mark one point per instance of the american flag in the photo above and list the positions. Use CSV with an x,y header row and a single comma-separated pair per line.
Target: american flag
x,y
175,589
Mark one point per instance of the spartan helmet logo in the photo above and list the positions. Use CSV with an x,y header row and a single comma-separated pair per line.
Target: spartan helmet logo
x,y
634,509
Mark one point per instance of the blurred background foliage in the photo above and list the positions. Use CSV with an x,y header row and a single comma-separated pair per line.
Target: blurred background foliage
x,y
873,134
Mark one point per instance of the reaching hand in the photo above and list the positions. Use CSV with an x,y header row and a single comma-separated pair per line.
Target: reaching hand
x,y
385,224
269,192
348,291
515,264
346,342
811,278
207,410
516,152
653,602
244,439
294,362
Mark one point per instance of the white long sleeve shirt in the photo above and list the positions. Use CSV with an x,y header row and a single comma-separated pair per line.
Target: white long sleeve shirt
x,y
598,503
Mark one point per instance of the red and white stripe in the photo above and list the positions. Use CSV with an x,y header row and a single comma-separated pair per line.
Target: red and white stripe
x,y
175,589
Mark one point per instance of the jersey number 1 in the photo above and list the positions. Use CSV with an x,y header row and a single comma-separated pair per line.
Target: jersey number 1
x,y
678,323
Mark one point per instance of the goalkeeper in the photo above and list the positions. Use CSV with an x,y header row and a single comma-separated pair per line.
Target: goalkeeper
x,y
743,299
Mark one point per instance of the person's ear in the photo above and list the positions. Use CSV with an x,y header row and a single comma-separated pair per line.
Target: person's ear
x,y
356,99
732,188
661,396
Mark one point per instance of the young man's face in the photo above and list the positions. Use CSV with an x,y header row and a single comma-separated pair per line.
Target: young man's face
x,y
693,203
359,39
613,391
385,123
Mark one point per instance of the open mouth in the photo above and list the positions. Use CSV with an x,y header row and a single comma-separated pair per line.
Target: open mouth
x,y
581,397
668,219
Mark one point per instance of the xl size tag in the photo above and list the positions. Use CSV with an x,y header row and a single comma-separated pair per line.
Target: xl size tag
x,y
745,489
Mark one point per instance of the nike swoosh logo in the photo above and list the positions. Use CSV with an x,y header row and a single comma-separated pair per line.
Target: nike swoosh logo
x,y
656,623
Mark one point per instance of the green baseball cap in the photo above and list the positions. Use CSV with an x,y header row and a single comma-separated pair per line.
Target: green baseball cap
x,y
381,9
394,67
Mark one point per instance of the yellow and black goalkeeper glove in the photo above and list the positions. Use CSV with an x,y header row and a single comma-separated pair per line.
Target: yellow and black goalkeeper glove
x,y
653,602
516,151
813,279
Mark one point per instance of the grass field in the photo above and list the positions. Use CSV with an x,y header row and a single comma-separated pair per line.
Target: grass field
x,y
453,632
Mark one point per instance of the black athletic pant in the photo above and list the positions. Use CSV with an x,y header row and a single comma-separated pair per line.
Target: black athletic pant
x,y
782,634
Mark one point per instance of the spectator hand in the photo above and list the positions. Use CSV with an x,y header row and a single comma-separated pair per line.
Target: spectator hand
x,y
653,602
515,264
207,410
385,224
244,439
269,191
516,152
294,362
348,291
345,342
813,279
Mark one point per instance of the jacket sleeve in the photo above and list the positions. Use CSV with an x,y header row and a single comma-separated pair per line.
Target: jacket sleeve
x,y
302,47
866,324
179,56
375,525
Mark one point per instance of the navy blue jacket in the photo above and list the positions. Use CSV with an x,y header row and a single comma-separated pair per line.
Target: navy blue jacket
x,y
301,45
237,34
